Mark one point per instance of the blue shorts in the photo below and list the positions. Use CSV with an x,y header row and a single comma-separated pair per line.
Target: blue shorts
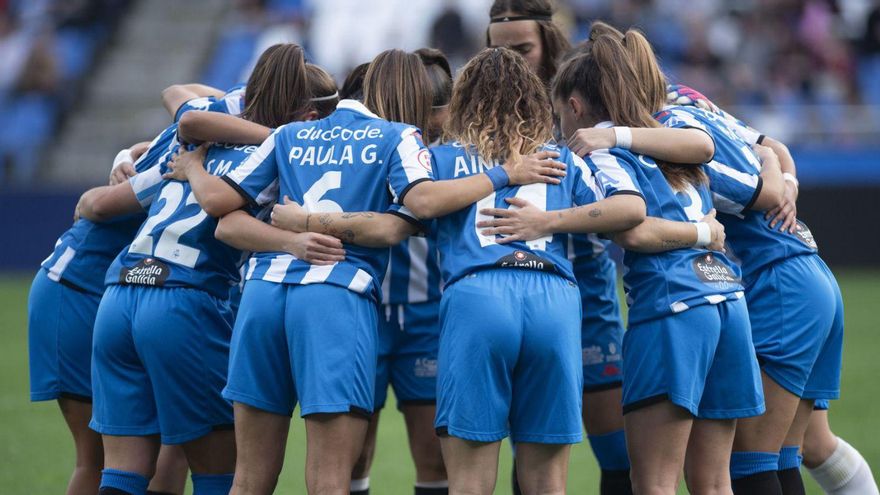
x,y
60,322
701,359
409,338
797,325
821,405
601,324
510,358
315,344
160,357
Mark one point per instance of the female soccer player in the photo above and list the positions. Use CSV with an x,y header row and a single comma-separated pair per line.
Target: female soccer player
x,y
326,360
168,302
800,356
527,27
409,326
689,368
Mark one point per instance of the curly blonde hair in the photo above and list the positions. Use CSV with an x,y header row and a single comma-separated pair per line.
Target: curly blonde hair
x,y
500,107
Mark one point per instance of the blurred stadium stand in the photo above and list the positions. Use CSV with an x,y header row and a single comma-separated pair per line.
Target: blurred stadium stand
x,y
80,79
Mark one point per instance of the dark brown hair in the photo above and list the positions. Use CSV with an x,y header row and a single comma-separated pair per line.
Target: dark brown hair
x,y
397,87
603,74
439,73
277,92
500,106
353,87
554,43
323,93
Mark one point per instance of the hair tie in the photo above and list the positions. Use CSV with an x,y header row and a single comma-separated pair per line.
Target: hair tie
x,y
326,98
512,18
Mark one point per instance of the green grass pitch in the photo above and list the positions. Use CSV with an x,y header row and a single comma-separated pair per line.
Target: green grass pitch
x,y
36,452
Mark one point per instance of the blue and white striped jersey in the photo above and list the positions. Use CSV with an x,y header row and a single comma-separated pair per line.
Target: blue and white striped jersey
x,y
175,246
231,103
84,252
735,184
413,274
350,161
673,281
463,247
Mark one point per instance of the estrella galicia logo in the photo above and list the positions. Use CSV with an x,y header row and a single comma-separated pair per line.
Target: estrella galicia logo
x,y
149,271
802,232
522,259
710,271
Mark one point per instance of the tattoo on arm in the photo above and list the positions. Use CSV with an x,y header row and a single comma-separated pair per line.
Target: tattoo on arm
x,y
674,244
364,214
596,212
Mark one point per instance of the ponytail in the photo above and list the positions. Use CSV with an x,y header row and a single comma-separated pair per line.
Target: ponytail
x,y
605,76
277,91
648,72
397,87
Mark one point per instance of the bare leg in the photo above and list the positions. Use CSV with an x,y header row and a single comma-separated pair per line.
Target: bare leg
x,y
767,432
333,442
819,441
542,468
424,444
132,454
365,460
86,475
261,438
603,412
707,463
171,470
657,439
472,466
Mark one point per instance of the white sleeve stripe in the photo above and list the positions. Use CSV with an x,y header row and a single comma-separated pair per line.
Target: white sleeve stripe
x,y
749,180
243,171
408,149
144,181
609,165
588,177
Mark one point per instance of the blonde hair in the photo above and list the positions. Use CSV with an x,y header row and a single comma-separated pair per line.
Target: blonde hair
x,y
500,106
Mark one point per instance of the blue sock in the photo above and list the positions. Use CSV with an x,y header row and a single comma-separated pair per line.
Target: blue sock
x,y
212,484
610,450
789,458
744,464
132,483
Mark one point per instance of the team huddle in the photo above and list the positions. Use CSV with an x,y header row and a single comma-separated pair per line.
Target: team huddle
x,y
290,243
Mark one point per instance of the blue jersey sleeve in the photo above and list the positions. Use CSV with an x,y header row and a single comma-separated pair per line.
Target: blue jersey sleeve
x,y
585,190
613,175
404,213
733,190
146,185
200,104
257,178
410,164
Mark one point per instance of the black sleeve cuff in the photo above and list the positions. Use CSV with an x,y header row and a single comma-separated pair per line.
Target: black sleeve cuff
x,y
755,196
410,186
423,229
247,197
761,139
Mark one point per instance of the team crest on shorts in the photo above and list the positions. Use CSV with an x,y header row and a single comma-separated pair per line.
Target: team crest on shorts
x,y
522,259
802,232
711,272
149,271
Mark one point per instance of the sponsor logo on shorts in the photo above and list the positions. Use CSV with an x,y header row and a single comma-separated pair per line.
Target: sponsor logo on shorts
x,y
802,232
594,355
425,368
611,370
710,271
522,259
149,271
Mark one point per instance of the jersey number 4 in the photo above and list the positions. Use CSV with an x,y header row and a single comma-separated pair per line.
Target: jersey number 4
x,y
169,248
536,194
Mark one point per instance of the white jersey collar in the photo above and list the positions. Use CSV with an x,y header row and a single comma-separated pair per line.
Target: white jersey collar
x,y
357,107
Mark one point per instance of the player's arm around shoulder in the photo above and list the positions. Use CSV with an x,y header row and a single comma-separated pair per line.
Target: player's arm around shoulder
x,y
104,203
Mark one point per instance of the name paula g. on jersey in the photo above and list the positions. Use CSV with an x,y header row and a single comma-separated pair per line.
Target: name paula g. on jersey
x,y
148,271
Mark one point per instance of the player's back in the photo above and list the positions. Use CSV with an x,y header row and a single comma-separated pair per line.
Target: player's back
x,y
351,161
463,247
735,184
175,246
672,281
